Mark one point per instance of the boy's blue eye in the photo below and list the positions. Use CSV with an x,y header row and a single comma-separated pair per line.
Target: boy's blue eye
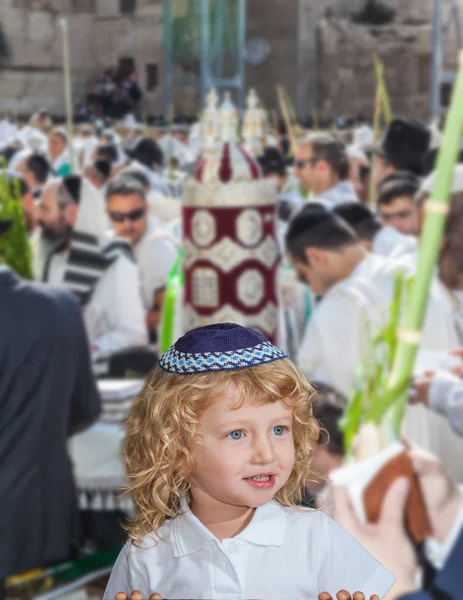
x,y
236,435
279,430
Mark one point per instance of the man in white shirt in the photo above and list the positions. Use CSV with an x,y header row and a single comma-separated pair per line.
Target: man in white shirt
x,y
58,152
322,165
74,252
154,252
357,289
383,240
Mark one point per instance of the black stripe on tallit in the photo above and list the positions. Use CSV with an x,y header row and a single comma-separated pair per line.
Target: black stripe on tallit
x,y
46,270
85,259
120,247
81,279
82,297
86,238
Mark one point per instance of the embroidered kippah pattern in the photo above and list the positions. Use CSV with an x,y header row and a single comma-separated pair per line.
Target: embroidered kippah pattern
x,y
184,363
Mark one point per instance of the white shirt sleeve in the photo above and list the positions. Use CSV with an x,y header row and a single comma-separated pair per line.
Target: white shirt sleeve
x,y
163,257
334,343
127,576
347,565
446,398
124,316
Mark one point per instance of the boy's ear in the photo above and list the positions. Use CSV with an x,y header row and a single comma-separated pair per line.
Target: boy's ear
x,y
316,256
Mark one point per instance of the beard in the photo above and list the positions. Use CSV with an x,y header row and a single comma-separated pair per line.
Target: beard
x,y
55,232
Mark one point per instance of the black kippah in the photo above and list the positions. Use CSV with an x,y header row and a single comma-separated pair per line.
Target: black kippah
x,y
354,212
103,167
73,184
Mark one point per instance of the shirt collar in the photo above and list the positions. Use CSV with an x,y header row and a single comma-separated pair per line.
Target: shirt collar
x,y
266,528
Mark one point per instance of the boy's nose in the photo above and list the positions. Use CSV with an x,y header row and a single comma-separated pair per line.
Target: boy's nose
x,y
263,451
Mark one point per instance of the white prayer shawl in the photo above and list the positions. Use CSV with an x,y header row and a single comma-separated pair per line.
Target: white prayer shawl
x,y
102,274
195,140
174,148
341,193
335,341
156,178
391,243
155,255
334,345
92,220
7,131
340,317
114,316
33,139
363,135
165,209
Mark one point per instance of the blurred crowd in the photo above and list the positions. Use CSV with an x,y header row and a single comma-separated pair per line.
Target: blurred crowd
x,y
103,217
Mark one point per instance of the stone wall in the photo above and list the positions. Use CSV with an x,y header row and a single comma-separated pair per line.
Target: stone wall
x,y
346,83
323,63
410,12
280,28
98,37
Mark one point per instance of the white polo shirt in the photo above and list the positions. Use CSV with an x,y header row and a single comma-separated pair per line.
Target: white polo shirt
x,y
282,553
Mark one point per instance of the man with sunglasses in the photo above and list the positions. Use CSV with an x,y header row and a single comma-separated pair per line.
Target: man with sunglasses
x,y
74,251
322,165
127,208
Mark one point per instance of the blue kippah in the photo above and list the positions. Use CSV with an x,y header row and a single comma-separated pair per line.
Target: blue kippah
x,y
219,347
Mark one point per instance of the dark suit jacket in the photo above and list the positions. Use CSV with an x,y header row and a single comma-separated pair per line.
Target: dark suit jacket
x,y
448,584
47,393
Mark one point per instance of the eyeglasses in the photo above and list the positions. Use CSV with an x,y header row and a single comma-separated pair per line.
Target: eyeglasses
x,y
135,215
300,164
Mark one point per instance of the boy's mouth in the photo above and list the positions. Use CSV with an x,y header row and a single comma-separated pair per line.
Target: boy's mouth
x,y
264,480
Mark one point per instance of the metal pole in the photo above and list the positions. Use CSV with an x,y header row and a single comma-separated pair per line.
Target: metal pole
x,y
168,66
67,90
436,60
205,62
241,51
456,14
219,35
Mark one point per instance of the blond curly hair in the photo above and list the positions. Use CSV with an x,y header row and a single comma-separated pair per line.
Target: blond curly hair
x,y
163,424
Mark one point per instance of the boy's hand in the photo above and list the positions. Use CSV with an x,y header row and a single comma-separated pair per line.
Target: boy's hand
x,y
343,595
135,595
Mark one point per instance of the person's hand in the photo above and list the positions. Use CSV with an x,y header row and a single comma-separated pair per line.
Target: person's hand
x,y
420,390
386,540
458,371
135,595
442,496
344,595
